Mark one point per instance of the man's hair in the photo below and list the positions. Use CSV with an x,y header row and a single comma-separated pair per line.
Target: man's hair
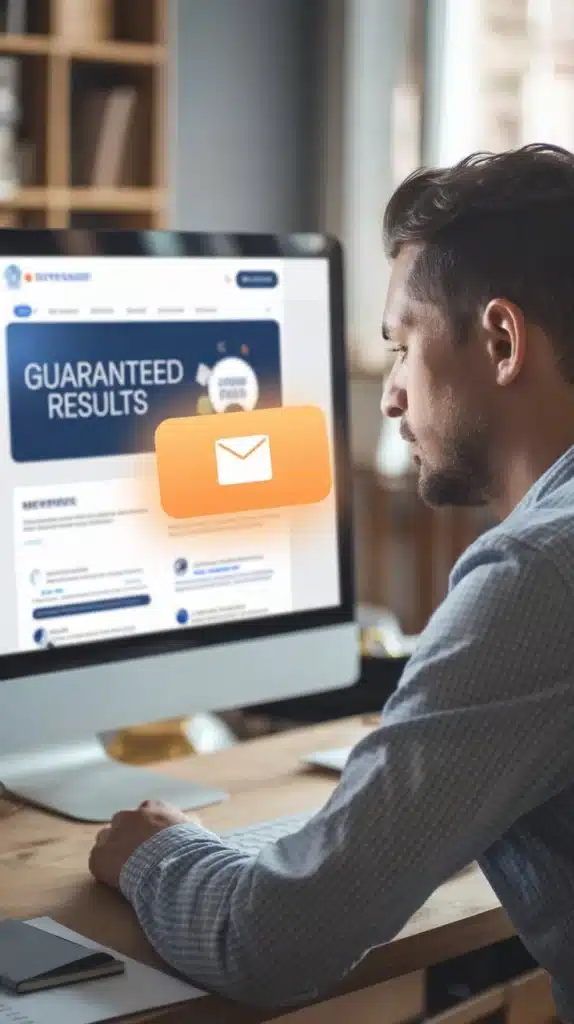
x,y
493,226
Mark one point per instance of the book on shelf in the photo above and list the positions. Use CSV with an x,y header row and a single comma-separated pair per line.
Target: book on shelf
x,y
106,137
9,117
27,155
83,21
13,17
8,163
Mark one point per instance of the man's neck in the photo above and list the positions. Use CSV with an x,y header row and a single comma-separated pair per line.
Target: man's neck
x,y
525,467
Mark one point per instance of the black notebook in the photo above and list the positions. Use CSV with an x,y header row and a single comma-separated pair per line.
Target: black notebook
x,y
32,959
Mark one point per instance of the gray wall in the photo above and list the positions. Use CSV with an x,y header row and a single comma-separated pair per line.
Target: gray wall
x,y
435,21
245,108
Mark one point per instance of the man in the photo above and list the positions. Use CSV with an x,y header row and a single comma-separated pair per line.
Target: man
x,y
474,758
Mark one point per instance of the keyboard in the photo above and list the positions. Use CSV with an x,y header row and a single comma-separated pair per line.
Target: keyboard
x,y
253,838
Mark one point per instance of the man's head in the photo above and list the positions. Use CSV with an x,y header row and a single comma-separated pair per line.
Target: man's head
x,y
480,311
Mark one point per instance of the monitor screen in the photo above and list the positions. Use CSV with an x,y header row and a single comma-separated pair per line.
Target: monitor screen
x,y
169,449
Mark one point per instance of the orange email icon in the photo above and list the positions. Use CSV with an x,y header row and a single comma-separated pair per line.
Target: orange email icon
x,y
242,461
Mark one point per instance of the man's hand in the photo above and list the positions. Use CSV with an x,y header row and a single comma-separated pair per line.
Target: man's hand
x,y
127,831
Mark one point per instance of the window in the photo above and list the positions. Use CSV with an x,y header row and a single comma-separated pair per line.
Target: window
x,y
504,75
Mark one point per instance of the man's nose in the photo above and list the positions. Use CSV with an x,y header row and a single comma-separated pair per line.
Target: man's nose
x,y
394,397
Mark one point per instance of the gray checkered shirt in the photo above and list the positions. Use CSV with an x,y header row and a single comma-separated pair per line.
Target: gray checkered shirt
x,y
474,759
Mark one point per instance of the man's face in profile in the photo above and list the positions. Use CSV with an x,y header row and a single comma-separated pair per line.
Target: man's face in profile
x,y
438,389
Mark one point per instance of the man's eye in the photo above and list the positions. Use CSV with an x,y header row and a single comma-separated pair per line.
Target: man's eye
x,y
399,348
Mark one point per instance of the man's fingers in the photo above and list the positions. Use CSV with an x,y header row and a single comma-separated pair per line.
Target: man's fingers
x,y
102,835
157,805
121,818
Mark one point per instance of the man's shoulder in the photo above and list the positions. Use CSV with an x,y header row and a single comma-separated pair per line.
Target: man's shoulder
x,y
542,533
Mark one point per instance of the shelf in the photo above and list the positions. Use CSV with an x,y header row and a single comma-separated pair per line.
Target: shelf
x,y
26,199
111,51
29,44
108,199
130,200
88,87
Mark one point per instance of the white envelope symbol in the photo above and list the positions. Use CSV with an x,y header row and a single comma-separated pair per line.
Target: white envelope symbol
x,y
243,460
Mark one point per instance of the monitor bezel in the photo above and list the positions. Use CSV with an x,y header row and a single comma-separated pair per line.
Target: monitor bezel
x,y
24,243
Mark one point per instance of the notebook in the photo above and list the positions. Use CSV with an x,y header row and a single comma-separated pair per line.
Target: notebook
x,y
138,989
32,959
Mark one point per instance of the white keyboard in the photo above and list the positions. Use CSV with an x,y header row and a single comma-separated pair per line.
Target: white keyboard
x,y
334,760
253,837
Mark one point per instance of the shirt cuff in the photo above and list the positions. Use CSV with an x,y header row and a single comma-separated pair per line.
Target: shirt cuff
x,y
150,854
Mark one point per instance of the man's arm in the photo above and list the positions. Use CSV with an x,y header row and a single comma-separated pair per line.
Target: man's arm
x,y
478,733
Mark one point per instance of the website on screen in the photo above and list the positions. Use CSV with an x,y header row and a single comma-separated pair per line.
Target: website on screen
x,y
107,534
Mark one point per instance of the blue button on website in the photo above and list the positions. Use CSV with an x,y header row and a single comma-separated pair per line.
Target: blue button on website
x,y
257,279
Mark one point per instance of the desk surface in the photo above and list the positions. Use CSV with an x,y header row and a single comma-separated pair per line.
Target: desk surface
x,y
43,865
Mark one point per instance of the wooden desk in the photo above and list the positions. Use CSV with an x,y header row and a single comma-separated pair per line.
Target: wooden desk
x,y
43,870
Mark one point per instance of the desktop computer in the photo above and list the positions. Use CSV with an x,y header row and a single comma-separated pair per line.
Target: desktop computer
x,y
176,522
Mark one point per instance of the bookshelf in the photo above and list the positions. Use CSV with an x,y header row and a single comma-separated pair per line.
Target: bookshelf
x,y
83,104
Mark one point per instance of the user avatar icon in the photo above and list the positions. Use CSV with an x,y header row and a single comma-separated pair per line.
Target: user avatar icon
x,y
41,638
233,386
12,276
182,617
180,566
35,577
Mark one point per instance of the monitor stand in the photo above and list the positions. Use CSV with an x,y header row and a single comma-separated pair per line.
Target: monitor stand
x,y
81,781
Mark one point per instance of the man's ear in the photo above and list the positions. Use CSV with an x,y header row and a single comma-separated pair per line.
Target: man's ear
x,y
505,330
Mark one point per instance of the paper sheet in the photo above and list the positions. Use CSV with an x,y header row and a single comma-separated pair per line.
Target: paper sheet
x,y
89,1002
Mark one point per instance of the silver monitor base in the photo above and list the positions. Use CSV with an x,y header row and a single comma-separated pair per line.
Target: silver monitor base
x,y
82,782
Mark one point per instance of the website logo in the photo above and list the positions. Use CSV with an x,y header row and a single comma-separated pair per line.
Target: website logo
x,y
13,276
63,278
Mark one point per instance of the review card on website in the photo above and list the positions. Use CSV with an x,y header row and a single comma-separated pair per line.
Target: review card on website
x,y
96,562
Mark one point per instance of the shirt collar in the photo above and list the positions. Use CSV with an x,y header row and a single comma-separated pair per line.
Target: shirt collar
x,y
560,472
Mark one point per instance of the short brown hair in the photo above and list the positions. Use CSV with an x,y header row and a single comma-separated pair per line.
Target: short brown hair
x,y
493,225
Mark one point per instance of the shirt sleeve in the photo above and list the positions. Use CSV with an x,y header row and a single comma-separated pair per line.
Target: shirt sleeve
x,y
475,736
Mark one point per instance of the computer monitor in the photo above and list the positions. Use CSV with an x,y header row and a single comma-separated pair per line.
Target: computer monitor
x,y
146,577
